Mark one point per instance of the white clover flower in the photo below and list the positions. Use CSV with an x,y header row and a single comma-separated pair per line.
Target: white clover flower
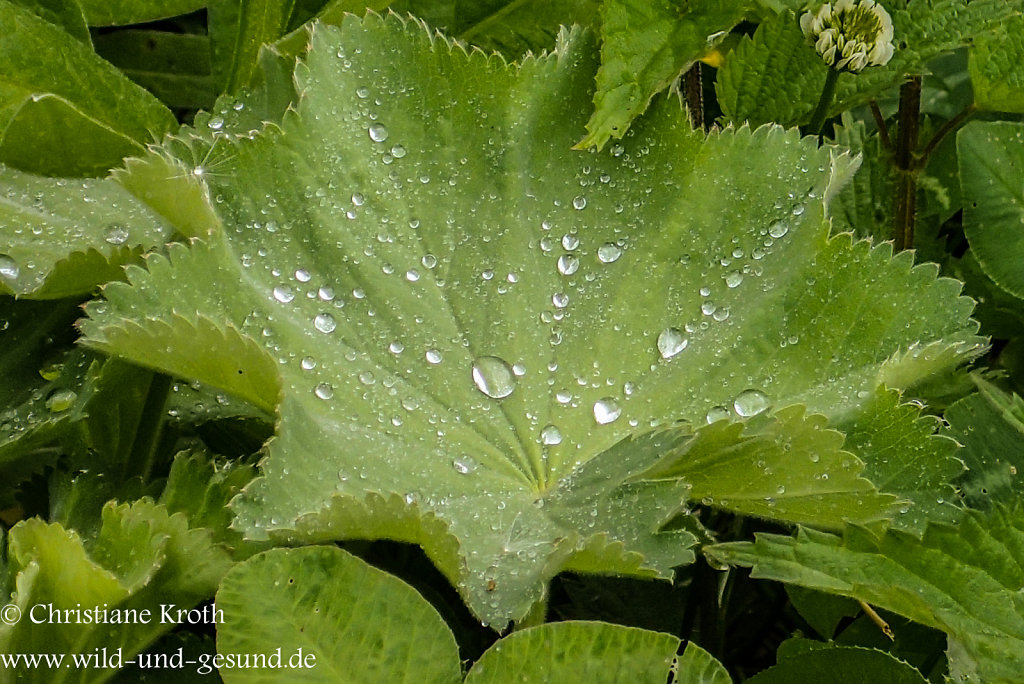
x,y
850,34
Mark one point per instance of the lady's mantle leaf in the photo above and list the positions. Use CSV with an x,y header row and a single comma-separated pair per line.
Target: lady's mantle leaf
x,y
459,320
965,581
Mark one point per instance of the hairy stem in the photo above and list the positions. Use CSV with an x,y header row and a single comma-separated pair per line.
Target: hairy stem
x,y
906,163
828,93
883,130
693,92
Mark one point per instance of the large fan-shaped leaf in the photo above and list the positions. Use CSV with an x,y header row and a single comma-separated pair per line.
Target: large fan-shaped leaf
x,y
459,320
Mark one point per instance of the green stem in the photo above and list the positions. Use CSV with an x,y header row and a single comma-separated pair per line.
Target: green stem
x,y
947,128
150,427
827,95
906,164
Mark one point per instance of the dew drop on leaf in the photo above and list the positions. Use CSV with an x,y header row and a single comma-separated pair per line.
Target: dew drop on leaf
x,y
671,342
324,323
324,391
61,400
396,347
750,403
494,377
579,202
284,294
433,357
778,229
733,279
560,300
308,363
609,252
116,234
606,410
9,269
570,242
302,275
464,465
716,413
550,435
378,132
568,264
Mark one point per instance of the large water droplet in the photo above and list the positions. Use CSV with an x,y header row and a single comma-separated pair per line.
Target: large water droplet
x,y
560,300
116,234
9,269
733,279
61,400
568,264
716,413
778,229
324,323
283,294
606,410
464,465
433,357
378,132
324,391
494,377
579,202
302,275
570,242
308,363
609,252
751,402
551,435
670,342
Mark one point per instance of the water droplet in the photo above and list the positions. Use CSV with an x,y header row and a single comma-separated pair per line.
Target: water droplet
x,y
362,92
778,229
570,242
367,378
324,391
733,279
396,347
433,357
579,202
308,363
560,300
398,152
716,413
429,261
464,465
708,307
325,293
750,403
9,269
358,199
116,234
61,400
781,489
412,275
494,377
568,264
606,410
563,396
519,370
609,252
216,123
302,275
670,342
798,210
550,435
283,294
378,132
617,150
324,323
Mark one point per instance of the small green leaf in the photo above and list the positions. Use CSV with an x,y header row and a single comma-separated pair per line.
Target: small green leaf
x,y
697,666
996,67
66,14
840,665
991,157
345,620
63,237
823,612
120,12
990,425
588,651
237,31
645,46
63,110
963,580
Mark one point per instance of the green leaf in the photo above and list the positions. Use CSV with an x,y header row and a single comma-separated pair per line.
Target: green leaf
x,y
515,27
66,14
63,237
995,67
962,580
372,254
823,612
645,46
141,559
905,457
840,665
173,66
990,426
697,666
590,651
865,206
237,31
777,76
357,623
120,12
991,154
63,110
